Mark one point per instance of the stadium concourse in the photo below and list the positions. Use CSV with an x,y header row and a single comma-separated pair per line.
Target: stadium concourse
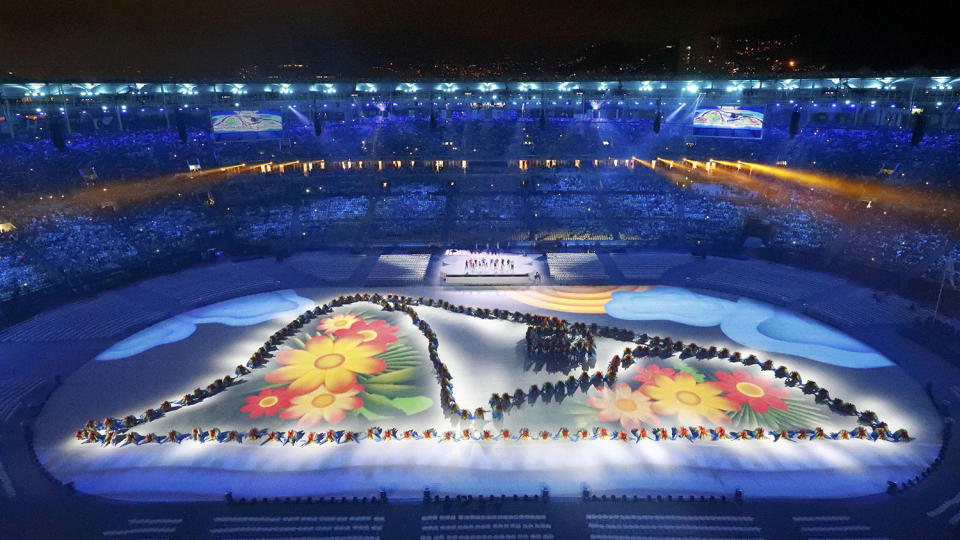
x,y
210,334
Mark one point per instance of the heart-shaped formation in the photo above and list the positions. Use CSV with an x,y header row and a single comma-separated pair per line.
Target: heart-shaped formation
x,y
356,364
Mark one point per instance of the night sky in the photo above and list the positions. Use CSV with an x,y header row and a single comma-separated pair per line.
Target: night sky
x,y
60,39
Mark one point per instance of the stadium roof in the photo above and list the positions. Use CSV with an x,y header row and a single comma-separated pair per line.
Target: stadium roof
x,y
692,86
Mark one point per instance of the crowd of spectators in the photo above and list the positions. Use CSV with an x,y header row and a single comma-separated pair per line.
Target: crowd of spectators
x,y
562,203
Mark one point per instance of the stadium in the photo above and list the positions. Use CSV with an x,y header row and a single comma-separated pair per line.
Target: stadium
x,y
536,309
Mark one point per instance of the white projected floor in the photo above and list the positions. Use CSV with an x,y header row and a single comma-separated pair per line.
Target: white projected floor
x,y
359,368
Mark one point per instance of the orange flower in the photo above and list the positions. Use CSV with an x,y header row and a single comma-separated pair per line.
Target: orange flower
x,y
338,322
327,362
322,404
376,332
691,401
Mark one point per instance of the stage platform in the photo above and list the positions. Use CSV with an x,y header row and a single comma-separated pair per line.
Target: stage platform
x,y
479,280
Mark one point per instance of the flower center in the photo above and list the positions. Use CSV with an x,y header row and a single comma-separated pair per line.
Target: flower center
x,y
269,401
750,390
329,361
341,322
367,335
626,405
688,398
323,400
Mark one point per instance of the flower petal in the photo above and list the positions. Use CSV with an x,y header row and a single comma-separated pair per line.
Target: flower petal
x,y
309,381
339,379
367,365
287,373
295,357
333,414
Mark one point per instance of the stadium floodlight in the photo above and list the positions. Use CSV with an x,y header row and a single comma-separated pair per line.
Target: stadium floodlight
x,y
567,87
528,86
447,87
408,88
692,88
487,87
366,87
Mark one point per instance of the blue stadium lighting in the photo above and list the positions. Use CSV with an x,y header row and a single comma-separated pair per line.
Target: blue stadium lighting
x,y
329,88
365,87
692,88
567,87
487,87
408,88
528,86
447,87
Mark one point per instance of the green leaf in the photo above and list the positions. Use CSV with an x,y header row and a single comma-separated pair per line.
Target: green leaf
x,y
412,405
392,390
369,415
400,375
299,343
380,405
697,376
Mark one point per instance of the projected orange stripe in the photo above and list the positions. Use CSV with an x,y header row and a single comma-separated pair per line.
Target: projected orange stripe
x,y
583,299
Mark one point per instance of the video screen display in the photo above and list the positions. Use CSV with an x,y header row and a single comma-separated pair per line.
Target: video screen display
x,y
728,121
245,124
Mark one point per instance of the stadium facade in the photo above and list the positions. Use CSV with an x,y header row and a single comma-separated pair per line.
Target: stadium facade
x,y
860,101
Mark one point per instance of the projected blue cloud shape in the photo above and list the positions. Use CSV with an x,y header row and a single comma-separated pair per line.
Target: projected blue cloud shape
x,y
748,323
244,311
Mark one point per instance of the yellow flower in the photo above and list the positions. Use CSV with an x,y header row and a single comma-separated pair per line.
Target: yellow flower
x,y
338,322
327,362
322,404
691,401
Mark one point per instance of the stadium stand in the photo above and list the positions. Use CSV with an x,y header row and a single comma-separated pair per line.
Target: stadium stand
x,y
392,268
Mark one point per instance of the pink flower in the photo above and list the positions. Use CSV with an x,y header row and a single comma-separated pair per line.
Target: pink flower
x,y
630,408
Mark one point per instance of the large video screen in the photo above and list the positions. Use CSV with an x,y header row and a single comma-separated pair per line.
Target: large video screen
x,y
728,121
245,125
